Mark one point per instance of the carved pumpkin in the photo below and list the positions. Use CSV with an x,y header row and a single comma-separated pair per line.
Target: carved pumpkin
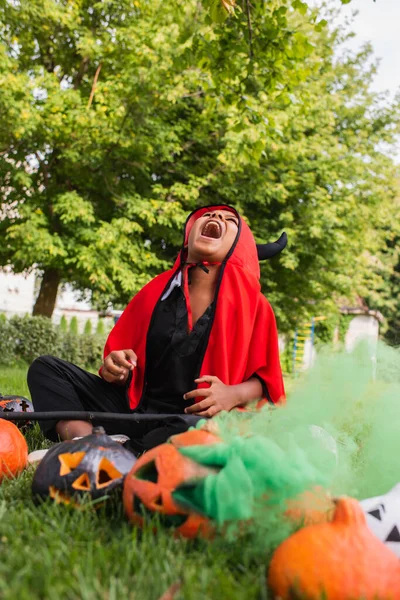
x,y
13,450
194,437
149,486
16,404
340,560
92,467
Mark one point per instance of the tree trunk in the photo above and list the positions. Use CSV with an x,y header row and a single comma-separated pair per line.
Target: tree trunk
x,y
46,300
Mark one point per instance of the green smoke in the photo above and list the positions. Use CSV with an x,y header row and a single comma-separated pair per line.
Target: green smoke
x,y
273,455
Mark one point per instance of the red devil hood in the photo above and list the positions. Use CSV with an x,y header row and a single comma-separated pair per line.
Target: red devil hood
x,y
243,340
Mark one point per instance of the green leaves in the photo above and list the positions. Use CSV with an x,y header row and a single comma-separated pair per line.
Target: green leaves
x,y
71,208
302,7
220,10
182,115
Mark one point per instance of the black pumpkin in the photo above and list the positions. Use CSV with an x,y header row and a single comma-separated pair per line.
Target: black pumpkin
x,y
16,404
93,467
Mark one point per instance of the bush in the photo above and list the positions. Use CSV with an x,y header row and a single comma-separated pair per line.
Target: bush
x,y
73,326
88,327
33,336
69,349
63,323
22,339
100,328
7,344
92,350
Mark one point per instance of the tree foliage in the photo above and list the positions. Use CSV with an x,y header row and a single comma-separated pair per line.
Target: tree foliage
x,y
63,324
74,326
87,330
392,305
120,117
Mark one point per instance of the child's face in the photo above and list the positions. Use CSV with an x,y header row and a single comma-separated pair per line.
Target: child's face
x,y
212,236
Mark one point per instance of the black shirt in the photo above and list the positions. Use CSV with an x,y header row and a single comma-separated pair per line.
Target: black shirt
x,y
174,354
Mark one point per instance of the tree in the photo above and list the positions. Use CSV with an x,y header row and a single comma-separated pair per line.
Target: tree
x,y
393,329
385,296
324,177
100,328
73,326
88,327
89,89
119,118
63,323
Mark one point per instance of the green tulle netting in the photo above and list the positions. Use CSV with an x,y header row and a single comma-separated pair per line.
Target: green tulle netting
x,y
270,456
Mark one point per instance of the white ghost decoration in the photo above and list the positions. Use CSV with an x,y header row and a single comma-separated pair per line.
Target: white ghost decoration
x,y
383,517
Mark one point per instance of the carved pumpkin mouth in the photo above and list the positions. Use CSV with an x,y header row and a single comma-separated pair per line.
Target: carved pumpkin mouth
x,y
155,497
60,497
212,229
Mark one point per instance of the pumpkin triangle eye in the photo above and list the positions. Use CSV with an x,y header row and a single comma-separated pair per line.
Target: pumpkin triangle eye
x,y
82,483
394,535
69,461
107,473
148,472
377,512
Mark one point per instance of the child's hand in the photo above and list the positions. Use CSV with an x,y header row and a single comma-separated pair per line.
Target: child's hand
x,y
117,365
217,397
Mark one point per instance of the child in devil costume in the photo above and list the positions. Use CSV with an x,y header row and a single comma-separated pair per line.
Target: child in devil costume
x,y
196,340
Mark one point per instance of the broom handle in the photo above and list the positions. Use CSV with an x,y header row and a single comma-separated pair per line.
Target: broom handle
x,y
61,415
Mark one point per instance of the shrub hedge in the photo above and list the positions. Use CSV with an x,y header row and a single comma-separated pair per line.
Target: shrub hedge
x,y
22,339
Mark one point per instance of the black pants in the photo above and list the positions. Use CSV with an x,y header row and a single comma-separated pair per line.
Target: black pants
x,y
59,385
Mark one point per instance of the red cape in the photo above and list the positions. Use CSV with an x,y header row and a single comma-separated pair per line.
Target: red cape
x,y
243,340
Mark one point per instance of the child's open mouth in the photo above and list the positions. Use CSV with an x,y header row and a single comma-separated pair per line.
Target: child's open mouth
x,y
212,229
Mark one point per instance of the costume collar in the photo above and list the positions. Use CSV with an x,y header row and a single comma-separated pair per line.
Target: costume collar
x,y
176,282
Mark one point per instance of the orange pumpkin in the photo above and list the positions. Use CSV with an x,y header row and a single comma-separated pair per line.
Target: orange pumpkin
x,y
13,450
194,437
311,507
341,560
149,485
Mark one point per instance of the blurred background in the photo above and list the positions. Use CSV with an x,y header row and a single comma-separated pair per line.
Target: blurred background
x,y
120,117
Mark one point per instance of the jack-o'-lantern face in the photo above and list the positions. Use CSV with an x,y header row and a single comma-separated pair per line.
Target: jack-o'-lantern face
x,y
92,467
16,404
148,489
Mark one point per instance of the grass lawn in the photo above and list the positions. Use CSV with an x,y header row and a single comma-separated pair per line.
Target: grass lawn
x,y
57,552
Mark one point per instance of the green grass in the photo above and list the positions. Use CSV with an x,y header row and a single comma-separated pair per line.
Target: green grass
x,y
57,552
13,381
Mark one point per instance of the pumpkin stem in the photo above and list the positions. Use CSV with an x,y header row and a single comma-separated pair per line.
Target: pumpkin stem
x,y
348,512
99,430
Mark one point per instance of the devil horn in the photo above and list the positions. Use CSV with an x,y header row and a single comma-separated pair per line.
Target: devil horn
x,y
265,251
